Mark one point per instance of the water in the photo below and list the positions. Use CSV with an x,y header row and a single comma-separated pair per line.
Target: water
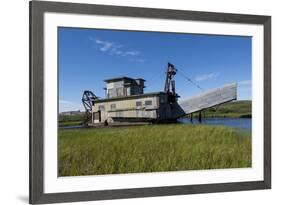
x,y
73,126
241,123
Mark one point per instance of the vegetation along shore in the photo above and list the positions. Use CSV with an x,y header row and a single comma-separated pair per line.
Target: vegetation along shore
x,y
236,109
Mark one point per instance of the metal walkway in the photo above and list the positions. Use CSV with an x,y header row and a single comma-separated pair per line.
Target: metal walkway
x,y
210,98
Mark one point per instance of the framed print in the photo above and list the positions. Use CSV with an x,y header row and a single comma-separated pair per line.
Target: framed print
x,y
132,102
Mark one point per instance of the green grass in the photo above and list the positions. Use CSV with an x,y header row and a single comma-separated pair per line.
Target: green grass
x,y
70,120
71,123
151,148
236,109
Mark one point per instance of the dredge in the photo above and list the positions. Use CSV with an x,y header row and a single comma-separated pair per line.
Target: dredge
x,y
126,102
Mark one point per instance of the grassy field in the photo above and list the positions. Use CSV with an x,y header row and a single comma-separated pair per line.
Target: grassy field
x,y
236,109
151,148
70,120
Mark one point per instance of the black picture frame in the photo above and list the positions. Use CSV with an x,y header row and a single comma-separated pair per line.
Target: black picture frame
x,y
36,174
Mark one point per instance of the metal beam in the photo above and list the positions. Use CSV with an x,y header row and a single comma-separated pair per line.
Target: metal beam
x,y
210,98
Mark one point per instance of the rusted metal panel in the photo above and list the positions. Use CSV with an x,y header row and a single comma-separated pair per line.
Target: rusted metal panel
x,y
210,98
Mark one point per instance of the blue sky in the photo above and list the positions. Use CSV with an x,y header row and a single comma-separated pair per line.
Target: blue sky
x,y
88,56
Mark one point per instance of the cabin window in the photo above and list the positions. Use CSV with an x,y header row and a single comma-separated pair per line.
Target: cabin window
x,y
113,106
148,102
101,107
119,92
111,93
139,103
119,114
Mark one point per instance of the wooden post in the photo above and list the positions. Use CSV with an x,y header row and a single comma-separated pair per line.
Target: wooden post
x,y
200,117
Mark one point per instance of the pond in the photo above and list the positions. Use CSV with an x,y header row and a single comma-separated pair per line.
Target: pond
x,y
241,123
73,126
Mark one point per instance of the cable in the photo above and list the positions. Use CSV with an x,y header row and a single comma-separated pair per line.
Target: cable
x,y
159,76
188,79
181,72
156,74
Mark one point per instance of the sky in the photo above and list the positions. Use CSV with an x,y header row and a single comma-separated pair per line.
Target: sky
x,y
88,56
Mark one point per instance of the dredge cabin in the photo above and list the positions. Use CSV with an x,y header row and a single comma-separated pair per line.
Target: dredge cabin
x,y
126,102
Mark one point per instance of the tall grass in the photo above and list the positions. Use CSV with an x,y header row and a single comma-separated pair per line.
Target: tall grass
x,y
152,148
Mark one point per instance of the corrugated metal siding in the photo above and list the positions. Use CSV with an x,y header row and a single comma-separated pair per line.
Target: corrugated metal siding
x,y
115,89
146,114
128,109
210,98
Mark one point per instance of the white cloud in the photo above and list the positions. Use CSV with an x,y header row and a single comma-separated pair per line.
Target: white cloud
x,y
65,102
113,48
207,76
65,105
138,60
245,82
104,45
130,53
